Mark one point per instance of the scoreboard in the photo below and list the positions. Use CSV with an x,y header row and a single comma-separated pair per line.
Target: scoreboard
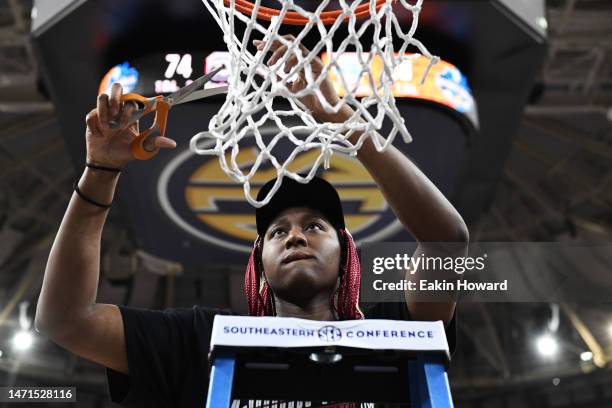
x,y
161,73
164,73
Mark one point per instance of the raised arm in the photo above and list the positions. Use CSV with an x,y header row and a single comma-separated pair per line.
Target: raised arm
x,y
416,201
423,211
67,311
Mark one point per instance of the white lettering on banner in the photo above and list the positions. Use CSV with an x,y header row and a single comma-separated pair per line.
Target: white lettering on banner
x,y
247,331
293,404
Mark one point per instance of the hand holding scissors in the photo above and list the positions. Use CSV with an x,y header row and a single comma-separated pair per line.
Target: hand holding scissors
x,y
161,105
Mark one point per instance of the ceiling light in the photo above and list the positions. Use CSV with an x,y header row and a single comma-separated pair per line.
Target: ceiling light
x,y
23,340
547,345
542,22
586,356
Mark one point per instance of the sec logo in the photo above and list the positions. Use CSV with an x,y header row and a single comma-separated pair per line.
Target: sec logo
x,y
198,197
329,334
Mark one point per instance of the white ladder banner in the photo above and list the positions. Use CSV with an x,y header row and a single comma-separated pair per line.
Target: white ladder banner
x,y
285,332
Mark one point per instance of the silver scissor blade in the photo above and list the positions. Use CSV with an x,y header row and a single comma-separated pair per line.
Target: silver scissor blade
x,y
203,93
178,96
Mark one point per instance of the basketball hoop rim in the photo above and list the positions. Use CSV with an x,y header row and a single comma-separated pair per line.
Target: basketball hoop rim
x,y
294,18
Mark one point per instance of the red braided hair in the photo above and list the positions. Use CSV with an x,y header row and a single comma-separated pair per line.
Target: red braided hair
x,y
344,302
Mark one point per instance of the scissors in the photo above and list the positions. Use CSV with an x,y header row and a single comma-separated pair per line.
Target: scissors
x,y
161,105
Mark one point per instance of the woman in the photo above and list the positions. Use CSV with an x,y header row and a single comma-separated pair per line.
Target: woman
x,y
303,265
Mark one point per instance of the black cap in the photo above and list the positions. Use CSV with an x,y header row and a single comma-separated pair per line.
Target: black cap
x,y
317,194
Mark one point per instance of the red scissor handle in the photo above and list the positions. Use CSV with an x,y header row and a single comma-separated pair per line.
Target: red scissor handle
x,y
156,104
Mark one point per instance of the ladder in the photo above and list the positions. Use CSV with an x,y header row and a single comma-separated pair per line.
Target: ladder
x,y
305,360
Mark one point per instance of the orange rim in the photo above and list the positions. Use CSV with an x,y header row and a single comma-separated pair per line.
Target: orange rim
x,y
295,18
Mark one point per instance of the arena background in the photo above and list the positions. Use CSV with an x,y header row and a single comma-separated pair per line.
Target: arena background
x,y
532,163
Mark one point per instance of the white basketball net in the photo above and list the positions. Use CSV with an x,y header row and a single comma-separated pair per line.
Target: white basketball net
x,y
253,86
